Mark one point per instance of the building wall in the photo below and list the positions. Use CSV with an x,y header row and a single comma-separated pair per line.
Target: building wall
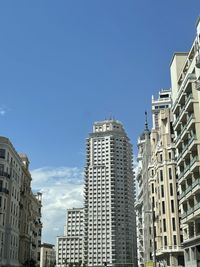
x,y
47,255
186,124
143,205
70,247
10,180
164,197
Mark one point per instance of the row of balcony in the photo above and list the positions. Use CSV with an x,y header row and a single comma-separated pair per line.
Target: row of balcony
x,y
190,210
4,174
185,147
187,167
183,109
183,127
190,77
189,188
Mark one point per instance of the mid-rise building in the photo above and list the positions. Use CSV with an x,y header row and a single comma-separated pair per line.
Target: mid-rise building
x,y
17,203
185,75
166,232
47,255
69,247
109,197
143,205
10,182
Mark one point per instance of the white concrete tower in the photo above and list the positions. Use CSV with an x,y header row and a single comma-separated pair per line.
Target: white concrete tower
x,y
109,197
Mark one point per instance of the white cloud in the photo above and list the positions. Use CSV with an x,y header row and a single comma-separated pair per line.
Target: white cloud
x,y
62,188
3,110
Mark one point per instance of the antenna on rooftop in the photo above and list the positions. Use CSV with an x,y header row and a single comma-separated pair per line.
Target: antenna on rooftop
x,y
146,121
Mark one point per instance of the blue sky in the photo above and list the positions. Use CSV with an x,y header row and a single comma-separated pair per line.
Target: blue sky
x,y
65,64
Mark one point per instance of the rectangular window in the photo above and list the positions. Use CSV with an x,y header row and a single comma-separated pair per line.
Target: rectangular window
x,y
164,225
172,205
165,240
162,191
171,189
170,173
152,188
175,243
170,156
2,153
163,207
161,175
173,224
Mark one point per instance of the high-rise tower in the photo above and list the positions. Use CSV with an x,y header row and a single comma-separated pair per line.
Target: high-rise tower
x,y
109,197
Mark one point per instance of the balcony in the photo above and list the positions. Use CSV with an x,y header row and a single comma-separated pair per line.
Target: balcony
x,y
4,190
198,61
4,174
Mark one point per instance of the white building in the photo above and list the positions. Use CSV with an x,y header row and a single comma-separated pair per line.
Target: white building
x,y
70,246
109,197
185,76
47,255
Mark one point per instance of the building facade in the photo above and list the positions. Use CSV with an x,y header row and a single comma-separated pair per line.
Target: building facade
x,y
16,205
69,249
144,248
47,255
10,182
109,197
185,74
166,231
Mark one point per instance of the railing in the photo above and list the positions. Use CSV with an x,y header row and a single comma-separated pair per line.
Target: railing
x,y
4,190
183,109
5,174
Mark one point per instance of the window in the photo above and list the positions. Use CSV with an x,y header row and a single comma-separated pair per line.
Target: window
x,y
171,189
2,153
175,243
172,205
162,191
161,175
170,173
163,207
164,225
170,156
152,188
165,240
173,224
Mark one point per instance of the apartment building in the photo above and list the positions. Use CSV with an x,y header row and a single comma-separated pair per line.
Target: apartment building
x,y
143,206
109,197
47,255
166,232
35,227
10,181
185,74
16,205
69,247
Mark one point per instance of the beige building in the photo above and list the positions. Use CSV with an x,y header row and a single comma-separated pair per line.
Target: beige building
x,y
47,255
10,181
24,212
35,227
144,246
185,76
167,235
17,208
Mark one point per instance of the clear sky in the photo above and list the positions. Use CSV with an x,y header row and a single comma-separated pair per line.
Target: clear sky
x,y
65,64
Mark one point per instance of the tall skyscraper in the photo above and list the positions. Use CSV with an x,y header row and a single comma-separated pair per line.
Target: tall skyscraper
x,y
109,197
